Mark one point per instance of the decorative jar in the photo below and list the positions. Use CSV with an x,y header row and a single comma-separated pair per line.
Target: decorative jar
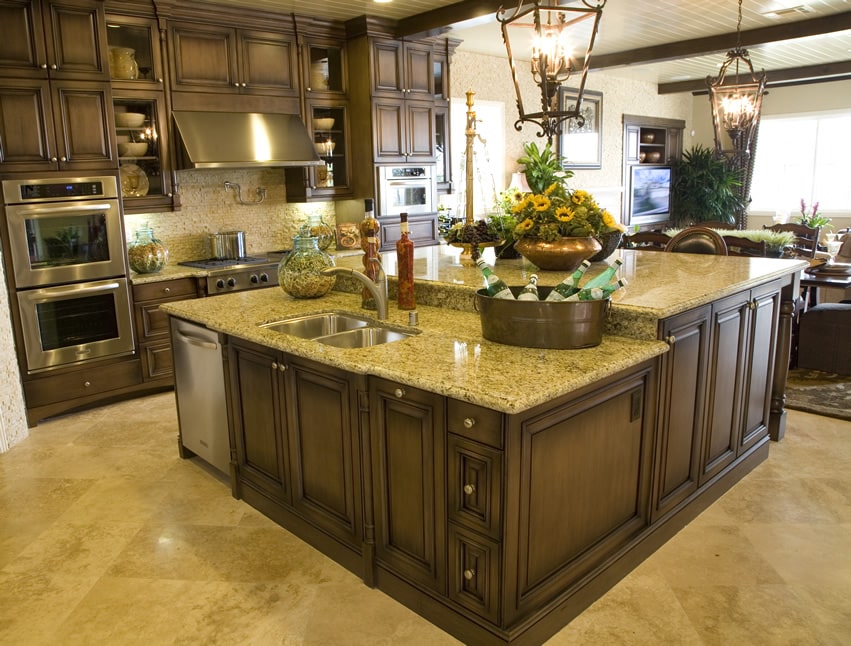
x,y
564,254
323,232
122,63
299,273
146,254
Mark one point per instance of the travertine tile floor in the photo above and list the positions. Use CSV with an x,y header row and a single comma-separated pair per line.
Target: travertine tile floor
x,y
107,537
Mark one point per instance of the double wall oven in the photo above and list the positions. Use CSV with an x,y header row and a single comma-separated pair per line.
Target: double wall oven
x,y
68,274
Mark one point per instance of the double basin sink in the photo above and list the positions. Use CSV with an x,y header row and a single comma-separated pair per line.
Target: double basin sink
x,y
338,329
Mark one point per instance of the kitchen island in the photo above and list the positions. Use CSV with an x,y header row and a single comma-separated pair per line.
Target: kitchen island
x,y
499,490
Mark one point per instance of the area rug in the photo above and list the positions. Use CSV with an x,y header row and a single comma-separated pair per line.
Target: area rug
x,y
822,393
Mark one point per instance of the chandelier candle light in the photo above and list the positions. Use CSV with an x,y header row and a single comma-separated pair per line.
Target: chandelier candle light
x,y
555,55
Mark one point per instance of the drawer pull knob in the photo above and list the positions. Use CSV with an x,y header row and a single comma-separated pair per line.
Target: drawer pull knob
x,y
274,365
469,574
671,339
86,384
399,392
469,422
469,489
282,367
167,290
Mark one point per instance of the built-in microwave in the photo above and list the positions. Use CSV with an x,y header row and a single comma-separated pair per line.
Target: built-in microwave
x,y
407,189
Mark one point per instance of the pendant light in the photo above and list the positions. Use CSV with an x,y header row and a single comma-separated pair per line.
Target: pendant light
x,y
559,41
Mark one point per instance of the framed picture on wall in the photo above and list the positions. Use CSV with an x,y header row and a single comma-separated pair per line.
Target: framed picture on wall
x,y
581,142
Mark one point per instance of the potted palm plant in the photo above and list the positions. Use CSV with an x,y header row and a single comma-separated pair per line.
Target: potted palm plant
x,y
704,188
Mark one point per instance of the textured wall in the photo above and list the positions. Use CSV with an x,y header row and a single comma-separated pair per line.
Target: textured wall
x,y
209,208
13,422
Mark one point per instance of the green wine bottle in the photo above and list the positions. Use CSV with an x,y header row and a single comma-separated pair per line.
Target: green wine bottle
x,y
569,285
495,287
530,292
605,277
597,293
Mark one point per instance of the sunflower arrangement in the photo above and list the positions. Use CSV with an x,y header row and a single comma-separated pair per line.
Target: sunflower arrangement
x,y
560,213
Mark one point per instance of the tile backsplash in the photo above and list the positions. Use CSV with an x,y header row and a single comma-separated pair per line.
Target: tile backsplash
x,y
207,207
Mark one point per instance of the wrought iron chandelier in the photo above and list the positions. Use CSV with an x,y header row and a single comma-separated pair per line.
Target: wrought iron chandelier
x,y
736,106
555,32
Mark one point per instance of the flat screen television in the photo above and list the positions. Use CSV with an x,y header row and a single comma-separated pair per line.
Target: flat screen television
x,y
649,194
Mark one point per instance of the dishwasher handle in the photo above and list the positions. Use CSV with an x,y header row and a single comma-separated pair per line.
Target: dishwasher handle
x,y
194,340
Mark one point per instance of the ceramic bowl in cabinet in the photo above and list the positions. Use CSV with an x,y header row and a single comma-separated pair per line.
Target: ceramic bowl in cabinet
x,y
129,119
132,149
323,123
654,156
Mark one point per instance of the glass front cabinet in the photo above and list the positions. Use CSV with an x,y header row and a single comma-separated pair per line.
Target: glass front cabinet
x,y
136,71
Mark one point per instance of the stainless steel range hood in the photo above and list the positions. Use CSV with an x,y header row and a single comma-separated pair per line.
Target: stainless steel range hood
x,y
243,140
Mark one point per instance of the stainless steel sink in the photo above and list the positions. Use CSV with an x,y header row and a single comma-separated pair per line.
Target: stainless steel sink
x,y
338,329
312,326
363,337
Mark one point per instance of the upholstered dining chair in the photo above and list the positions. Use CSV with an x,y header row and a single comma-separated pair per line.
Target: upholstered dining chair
x,y
647,240
738,246
806,238
698,240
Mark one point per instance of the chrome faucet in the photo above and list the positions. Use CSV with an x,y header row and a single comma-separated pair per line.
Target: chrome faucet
x,y
378,291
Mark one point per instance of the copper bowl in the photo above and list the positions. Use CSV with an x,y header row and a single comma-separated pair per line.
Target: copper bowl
x,y
564,254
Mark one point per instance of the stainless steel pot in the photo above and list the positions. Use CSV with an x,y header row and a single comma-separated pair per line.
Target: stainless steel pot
x,y
227,245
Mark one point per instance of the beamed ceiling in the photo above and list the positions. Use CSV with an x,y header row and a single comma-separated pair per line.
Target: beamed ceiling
x,y
674,43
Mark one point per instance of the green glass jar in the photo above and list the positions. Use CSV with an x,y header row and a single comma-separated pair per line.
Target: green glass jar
x,y
145,253
298,273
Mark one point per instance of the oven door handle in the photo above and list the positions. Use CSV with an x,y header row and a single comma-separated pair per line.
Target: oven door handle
x,y
55,292
194,340
67,208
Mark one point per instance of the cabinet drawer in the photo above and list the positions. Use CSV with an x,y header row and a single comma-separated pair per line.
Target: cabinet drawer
x,y
475,423
82,383
474,477
170,289
474,572
151,322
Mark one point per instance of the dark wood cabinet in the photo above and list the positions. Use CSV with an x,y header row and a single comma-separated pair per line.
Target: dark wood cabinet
x,y
153,338
402,69
683,378
408,449
211,58
56,125
297,435
259,421
55,101
57,40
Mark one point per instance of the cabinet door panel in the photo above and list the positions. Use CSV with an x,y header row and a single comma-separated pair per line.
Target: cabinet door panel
x,y
268,64
26,126
76,41
323,440
760,368
258,423
408,455
387,67
420,130
83,117
474,572
729,348
389,131
680,430
419,71
21,39
474,481
204,58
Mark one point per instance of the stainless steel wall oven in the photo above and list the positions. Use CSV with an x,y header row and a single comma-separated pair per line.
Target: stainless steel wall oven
x,y
406,189
66,245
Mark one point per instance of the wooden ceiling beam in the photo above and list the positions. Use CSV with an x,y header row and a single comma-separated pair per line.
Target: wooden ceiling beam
x,y
444,17
722,42
806,74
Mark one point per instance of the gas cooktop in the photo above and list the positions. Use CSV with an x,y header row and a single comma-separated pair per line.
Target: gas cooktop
x,y
237,274
230,263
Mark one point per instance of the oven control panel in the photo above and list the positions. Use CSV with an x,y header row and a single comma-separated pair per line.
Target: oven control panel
x,y
242,279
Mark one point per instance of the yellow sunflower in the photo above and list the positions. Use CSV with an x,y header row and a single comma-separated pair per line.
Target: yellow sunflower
x,y
541,203
564,214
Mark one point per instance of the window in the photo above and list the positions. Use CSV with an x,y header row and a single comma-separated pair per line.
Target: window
x,y
802,157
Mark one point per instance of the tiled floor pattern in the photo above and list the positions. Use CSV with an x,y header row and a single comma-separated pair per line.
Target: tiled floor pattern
x,y
108,537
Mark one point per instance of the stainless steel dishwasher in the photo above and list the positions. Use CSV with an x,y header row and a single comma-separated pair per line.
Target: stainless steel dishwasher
x,y
199,384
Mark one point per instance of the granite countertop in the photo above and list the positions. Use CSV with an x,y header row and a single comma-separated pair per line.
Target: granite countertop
x,y
449,356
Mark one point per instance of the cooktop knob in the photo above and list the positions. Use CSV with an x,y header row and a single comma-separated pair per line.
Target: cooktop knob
x,y
253,279
264,278
220,284
231,282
